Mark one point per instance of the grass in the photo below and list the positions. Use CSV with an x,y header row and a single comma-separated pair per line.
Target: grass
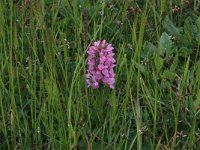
x,y
44,99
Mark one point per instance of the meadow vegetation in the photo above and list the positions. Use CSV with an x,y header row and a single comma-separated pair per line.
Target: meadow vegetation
x,y
44,99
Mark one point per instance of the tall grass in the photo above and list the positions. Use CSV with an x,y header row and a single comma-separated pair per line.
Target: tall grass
x,y
45,102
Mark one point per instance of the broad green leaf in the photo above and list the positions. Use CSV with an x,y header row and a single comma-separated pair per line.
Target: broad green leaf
x,y
188,32
165,44
158,63
198,23
175,63
171,28
197,73
184,52
197,102
170,75
185,75
198,39
163,6
148,49
141,67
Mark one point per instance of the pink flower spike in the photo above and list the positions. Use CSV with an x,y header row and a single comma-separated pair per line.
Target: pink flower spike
x,y
101,65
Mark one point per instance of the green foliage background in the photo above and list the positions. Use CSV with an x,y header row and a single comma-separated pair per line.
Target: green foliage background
x,y
44,99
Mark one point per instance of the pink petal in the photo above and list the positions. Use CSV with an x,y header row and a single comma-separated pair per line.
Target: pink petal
x,y
111,86
105,72
96,43
95,85
101,67
111,81
98,77
88,75
102,59
105,80
98,72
